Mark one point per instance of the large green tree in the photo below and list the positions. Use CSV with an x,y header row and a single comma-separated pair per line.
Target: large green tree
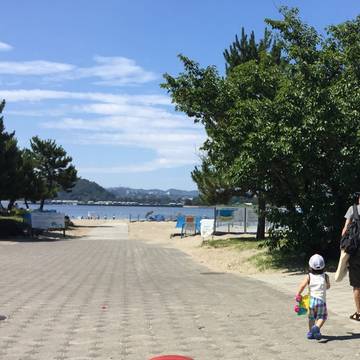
x,y
230,108
318,140
286,130
52,167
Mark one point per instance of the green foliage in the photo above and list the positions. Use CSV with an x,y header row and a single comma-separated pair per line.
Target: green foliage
x,y
32,175
287,130
213,188
244,243
318,141
244,50
11,227
10,159
86,190
53,167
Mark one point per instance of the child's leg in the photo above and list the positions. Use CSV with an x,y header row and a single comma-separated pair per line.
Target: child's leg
x,y
321,315
311,324
320,323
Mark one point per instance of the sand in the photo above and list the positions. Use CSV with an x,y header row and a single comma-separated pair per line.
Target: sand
x,y
216,259
165,234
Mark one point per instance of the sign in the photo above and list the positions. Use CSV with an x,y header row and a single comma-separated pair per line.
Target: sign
x,y
206,227
225,215
47,220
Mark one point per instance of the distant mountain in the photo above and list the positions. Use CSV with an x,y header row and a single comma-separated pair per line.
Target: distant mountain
x,y
171,194
86,190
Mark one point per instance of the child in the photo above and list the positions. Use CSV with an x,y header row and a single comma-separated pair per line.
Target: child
x,y
318,283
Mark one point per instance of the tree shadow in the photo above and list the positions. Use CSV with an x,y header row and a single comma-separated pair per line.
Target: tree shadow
x,y
352,336
44,237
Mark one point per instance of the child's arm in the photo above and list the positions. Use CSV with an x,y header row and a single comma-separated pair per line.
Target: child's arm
x,y
303,285
327,279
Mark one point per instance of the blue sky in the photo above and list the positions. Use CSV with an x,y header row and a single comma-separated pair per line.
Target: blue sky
x,y
87,74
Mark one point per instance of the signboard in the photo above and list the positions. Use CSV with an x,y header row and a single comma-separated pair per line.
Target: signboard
x,y
47,220
206,227
225,215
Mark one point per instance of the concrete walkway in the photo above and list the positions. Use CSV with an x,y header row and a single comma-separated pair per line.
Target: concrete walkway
x,y
106,297
339,296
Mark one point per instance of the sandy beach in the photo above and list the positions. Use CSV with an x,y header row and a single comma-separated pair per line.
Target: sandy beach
x,y
219,259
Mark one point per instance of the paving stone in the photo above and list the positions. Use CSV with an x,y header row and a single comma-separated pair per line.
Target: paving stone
x,y
106,297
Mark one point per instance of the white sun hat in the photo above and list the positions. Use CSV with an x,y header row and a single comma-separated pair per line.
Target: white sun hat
x,y
317,262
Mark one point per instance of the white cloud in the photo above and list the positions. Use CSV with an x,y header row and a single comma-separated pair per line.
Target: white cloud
x,y
35,95
5,47
114,71
157,164
39,67
110,123
121,120
172,147
174,143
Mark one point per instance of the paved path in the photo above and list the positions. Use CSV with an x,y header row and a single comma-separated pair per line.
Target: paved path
x,y
339,296
106,297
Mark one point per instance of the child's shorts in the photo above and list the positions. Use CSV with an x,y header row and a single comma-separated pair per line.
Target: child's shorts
x,y
317,309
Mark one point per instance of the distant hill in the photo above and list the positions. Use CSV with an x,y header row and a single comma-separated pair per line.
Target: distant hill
x,y
171,194
86,190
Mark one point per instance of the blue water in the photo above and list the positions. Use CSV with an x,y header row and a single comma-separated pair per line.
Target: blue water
x,y
126,212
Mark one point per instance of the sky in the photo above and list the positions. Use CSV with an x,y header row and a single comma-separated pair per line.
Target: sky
x,y
87,74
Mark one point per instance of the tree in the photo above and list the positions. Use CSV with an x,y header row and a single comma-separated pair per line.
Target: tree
x,y
318,139
33,187
10,159
213,188
53,167
286,131
244,50
230,108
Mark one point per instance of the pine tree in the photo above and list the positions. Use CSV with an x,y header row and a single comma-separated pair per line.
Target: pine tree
x,y
53,167
10,159
243,50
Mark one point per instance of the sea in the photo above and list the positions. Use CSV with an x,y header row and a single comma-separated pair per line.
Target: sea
x,y
132,213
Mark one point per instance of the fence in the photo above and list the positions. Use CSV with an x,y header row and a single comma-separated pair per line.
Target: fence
x,y
242,219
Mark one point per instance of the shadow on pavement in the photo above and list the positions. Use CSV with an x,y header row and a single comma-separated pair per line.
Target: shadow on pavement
x,y
326,338
91,226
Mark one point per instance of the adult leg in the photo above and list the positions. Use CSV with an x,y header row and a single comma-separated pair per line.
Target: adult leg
x,y
356,291
354,277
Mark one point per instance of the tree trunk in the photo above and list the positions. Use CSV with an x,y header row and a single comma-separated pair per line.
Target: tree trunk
x,y
260,233
42,204
26,203
11,204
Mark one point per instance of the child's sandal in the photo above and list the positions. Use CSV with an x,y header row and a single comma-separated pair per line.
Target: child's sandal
x,y
355,316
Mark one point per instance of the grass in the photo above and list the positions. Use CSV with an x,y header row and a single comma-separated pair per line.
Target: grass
x,y
263,259
266,260
244,243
